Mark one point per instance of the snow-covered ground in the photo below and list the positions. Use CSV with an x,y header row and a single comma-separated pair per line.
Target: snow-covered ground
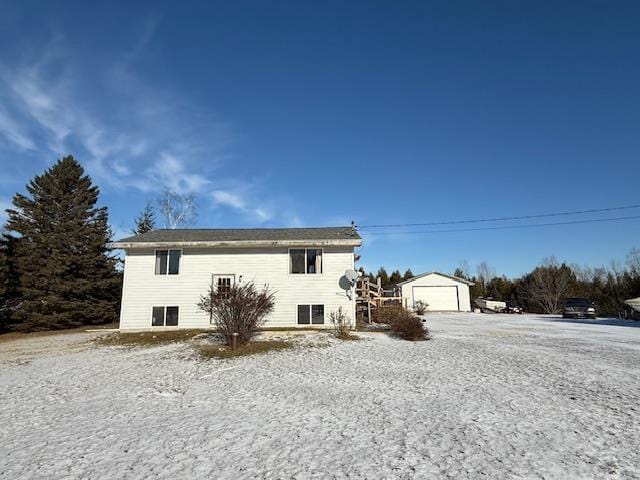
x,y
489,397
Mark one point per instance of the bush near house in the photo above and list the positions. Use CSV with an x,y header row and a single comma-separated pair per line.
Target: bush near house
x,y
341,325
240,309
387,314
403,323
409,327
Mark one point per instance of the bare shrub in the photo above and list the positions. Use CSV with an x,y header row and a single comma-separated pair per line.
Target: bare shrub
x,y
420,308
341,325
387,314
409,327
242,309
403,323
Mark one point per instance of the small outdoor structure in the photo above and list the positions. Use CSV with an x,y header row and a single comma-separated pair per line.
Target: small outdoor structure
x,y
438,291
371,295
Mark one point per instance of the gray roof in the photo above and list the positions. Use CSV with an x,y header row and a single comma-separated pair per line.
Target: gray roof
x,y
452,277
345,235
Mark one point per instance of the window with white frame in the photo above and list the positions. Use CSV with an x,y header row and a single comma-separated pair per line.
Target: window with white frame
x,y
305,260
168,262
164,317
310,314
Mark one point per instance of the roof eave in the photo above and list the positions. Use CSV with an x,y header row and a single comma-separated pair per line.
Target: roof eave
x,y
238,243
452,277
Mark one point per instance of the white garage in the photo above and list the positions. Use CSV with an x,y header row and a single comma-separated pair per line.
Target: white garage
x,y
439,291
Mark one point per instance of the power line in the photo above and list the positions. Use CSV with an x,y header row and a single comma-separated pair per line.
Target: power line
x,y
500,219
506,227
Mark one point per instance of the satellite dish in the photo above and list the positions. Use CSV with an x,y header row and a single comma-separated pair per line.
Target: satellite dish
x,y
351,275
348,280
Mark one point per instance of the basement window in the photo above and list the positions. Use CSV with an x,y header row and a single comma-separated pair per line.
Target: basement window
x,y
164,317
168,262
310,314
305,260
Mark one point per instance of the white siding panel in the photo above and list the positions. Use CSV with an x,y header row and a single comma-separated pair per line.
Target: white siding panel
x,y
264,266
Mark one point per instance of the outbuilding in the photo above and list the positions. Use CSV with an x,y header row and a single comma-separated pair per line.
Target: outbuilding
x,y
438,291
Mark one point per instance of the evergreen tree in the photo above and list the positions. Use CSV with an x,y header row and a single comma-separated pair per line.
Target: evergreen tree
x,y
4,281
4,272
146,221
459,273
383,276
408,274
8,280
395,277
66,277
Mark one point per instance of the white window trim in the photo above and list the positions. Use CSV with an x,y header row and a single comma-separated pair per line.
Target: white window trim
x,y
305,262
165,316
155,256
311,324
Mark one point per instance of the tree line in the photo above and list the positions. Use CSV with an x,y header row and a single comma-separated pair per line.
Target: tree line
x,y
544,289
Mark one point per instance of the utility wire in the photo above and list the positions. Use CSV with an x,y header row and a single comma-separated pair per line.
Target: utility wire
x,y
499,219
505,227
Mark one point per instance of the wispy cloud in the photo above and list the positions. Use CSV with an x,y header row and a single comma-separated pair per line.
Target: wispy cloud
x,y
143,145
129,134
14,132
239,202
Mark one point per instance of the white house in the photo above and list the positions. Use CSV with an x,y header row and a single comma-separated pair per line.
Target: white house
x,y
440,292
166,272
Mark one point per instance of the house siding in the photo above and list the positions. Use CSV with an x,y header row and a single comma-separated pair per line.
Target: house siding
x,y
142,289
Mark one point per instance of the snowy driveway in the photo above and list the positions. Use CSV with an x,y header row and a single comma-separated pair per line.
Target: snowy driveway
x,y
488,397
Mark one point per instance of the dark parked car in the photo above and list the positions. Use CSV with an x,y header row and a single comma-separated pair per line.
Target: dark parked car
x,y
578,308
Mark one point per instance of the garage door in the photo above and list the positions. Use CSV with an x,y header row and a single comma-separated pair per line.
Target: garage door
x,y
443,298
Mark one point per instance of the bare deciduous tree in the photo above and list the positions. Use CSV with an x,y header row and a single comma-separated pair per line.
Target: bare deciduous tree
x,y
465,269
241,309
633,262
548,285
485,272
583,273
178,210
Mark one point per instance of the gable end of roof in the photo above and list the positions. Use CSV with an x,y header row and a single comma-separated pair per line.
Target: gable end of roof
x,y
452,277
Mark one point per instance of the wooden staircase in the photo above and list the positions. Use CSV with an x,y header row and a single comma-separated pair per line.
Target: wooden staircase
x,y
369,295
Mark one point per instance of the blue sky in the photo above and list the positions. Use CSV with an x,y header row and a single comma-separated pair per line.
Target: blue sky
x,y
306,114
